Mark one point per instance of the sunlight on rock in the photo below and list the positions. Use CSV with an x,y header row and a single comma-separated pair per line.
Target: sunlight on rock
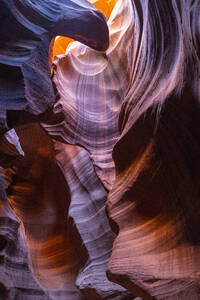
x,y
61,42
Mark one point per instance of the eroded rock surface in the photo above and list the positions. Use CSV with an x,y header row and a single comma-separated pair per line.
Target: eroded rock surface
x,y
123,134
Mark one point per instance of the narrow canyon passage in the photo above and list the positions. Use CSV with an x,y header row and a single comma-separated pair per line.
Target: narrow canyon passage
x,y
99,149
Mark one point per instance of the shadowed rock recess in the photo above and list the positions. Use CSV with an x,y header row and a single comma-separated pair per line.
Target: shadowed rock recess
x,y
100,156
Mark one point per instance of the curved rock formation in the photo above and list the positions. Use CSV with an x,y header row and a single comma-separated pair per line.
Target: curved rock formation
x,y
157,95
87,209
27,28
40,198
125,135
86,113
154,202
61,42
91,87
16,279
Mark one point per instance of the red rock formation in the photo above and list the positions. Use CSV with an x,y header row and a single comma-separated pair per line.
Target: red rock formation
x,y
123,133
156,251
40,198
154,203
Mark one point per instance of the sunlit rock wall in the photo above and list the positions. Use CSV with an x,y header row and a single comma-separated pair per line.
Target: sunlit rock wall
x,y
103,187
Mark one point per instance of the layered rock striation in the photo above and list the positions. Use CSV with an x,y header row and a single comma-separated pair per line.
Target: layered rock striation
x,y
104,192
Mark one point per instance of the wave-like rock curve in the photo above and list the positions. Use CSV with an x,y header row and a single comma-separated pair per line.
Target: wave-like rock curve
x,y
149,78
27,28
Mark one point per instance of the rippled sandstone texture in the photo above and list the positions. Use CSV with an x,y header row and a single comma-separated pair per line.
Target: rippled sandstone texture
x,y
123,133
